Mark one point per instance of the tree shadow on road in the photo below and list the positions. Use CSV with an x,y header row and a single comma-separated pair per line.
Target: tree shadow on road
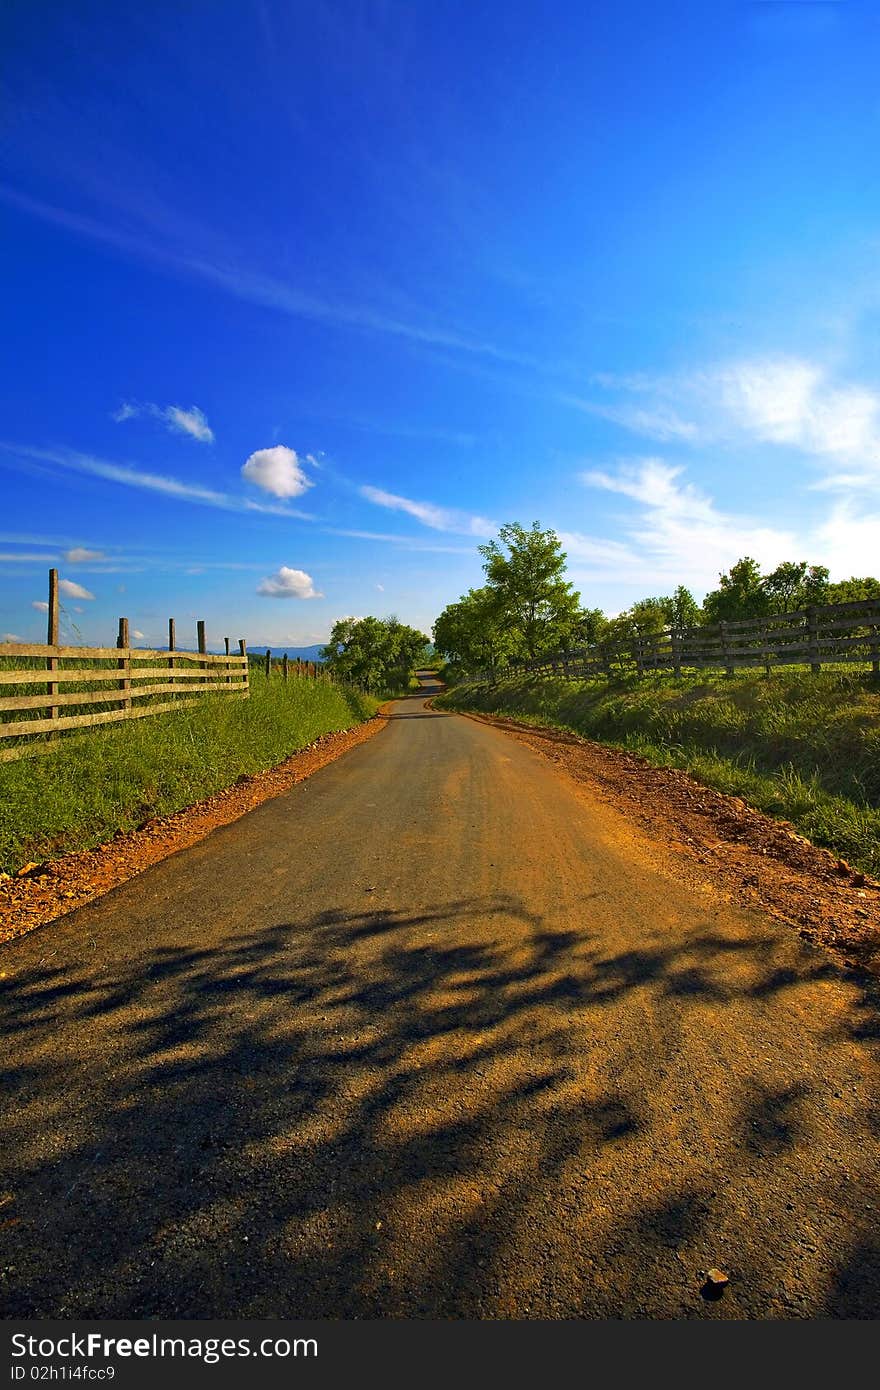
x,y
377,1113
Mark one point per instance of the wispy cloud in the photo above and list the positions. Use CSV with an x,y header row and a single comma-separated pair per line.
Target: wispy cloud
x,y
192,422
11,557
80,555
257,287
438,518
288,583
400,542
786,402
678,535
40,604
129,476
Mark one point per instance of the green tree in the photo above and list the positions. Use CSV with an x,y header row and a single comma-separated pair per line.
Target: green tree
x,y
590,627
374,653
853,590
473,633
649,616
794,585
684,611
525,569
740,594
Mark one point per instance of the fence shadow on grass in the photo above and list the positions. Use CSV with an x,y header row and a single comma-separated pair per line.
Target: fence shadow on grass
x,y
383,1114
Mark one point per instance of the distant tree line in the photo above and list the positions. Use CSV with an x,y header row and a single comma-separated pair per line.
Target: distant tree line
x,y
527,609
375,654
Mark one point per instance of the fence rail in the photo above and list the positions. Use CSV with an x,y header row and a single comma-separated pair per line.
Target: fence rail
x,y
47,689
831,634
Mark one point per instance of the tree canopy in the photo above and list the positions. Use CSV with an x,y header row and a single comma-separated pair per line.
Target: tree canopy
x,y
526,608
525,570
376,654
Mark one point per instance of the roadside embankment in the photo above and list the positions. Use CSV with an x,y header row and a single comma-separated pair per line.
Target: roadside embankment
x,y
83,791
802,748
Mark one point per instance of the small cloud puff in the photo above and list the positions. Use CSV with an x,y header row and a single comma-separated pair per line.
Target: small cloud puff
x,y
71,590
276,470
41,605
288,583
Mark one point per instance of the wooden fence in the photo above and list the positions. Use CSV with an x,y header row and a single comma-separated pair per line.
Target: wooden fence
x,y
828,635
48,689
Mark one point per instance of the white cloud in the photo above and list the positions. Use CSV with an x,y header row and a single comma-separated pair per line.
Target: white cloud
x,y
438,518
381,588
192,422
80,556
11,637
40,604
276,470
71,590
137,633
847,540
788,402
288,583
678,535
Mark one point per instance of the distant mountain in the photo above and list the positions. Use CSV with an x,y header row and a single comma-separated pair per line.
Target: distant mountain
x,y
304,653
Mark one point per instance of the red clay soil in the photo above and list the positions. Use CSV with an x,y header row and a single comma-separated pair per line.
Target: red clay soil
x,y
50,890
755,860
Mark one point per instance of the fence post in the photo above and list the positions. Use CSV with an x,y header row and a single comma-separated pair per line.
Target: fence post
x,y
676,651
52,637
726,654
284,665
228,667
875,645
813,630
124,663
268,663
172,644
242,651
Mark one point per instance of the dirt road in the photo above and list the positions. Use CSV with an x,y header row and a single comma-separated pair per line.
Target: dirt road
x,y
432,1034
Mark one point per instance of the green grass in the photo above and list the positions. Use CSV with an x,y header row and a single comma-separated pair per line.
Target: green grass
x,y
114,778
801,747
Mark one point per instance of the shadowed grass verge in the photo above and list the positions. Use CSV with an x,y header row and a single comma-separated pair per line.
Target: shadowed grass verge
x,y
76,796
801,747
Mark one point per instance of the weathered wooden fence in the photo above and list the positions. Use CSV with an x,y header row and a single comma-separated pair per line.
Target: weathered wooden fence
x,y
287,667
828,635
49,689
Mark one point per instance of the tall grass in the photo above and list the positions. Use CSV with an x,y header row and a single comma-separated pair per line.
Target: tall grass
x,y
802,747
112,779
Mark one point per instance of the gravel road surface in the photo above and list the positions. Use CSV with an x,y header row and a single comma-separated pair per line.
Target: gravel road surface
x,y
433,1034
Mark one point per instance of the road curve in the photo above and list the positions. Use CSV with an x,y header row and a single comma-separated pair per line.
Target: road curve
x,y
432,1035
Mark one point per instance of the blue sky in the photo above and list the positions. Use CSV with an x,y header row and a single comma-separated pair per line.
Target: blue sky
x,y
302,301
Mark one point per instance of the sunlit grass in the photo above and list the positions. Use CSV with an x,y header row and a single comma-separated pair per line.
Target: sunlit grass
x,y
804,748
114,778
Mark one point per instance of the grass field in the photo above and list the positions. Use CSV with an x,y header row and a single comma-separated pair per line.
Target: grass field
x,y
114,778
804,748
